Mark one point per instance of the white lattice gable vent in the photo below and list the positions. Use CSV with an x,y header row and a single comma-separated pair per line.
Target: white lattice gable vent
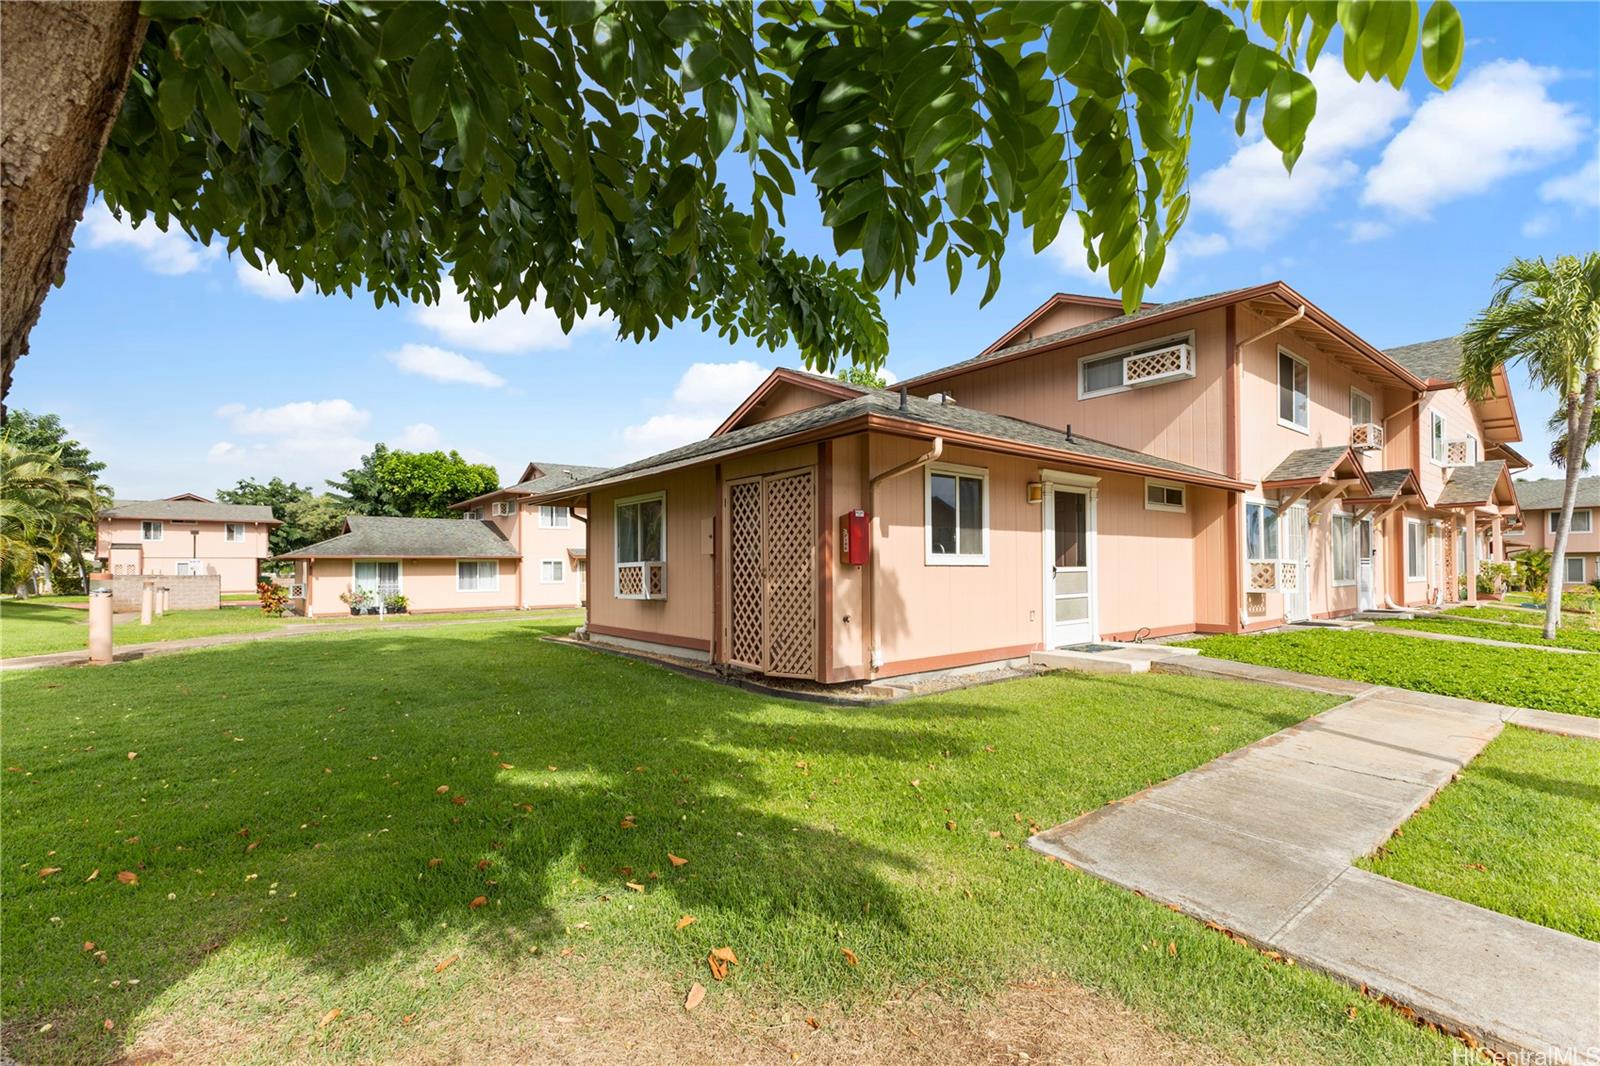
x,y
1457,452
1167,363
1366,436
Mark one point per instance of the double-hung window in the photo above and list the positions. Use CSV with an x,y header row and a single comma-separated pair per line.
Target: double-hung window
x,y
1575,572
1294,392
641,541
1436,436
1344,549
477,575
957,516
1416,550
150,530
551,572
1582,522
234,531
555,517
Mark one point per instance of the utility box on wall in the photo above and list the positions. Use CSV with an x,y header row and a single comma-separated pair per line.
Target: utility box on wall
x,y
854,541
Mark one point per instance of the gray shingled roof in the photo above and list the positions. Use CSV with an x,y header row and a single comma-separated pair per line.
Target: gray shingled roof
x,y
1306,463
1546,493
190,510
1440,359
370,537
934,416
1471,484
555,475
1386,484
1077,332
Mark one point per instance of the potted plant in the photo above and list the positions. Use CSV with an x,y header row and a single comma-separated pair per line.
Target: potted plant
x,y
395,604
360,601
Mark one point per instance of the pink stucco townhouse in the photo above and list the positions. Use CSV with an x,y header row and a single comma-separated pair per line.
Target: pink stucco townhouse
x,y
186,534
1541,507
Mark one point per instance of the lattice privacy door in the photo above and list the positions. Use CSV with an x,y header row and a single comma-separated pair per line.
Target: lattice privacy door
x,y
772,587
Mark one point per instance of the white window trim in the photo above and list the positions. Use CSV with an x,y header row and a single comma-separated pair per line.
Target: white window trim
x,y
227,532
400,571
545,517
1278,392
1418,572
1244,541
1443,437
1555,517
1372,406
1583,571
1182,508
561,564
1354,541
503,509
1187,337
981,473
478,562
617,505
144,526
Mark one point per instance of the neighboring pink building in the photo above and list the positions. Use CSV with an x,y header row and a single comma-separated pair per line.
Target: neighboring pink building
x,y
186,534
1541,507
1219,464
502,554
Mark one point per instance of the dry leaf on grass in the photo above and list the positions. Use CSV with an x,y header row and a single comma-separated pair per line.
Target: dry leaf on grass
x,y
92,875
328,1018
477,901
445,965
811,1021
1172,947
133,755
46,871
951,826
719,969
676,860
684,922
88,945
627,821
1350,1012
434,862
442,789
507,766
128,877
697,993
849,956
459,801
636,886
110,1025
726,955
408,1019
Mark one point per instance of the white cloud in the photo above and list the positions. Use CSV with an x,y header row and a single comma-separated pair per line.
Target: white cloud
x,y
223,451
1498,121
1581,188
162,251
269,284
439,364
718,384
509,331
305,418
1540,225
660,432
307,440
418,437
1368,229
1255,196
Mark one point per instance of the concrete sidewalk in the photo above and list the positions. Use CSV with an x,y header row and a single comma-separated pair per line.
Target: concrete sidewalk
x,y
1261,841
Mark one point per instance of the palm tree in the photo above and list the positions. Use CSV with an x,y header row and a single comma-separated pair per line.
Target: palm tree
x,y
1547,317
43,506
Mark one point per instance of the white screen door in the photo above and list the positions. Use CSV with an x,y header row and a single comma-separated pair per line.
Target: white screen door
x,y
1069,598
1364,597
1294,529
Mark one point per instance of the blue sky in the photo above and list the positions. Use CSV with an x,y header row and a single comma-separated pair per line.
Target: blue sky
x,y
186,371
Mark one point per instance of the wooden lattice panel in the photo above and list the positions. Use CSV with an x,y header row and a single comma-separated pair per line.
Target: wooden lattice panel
x,y
1263,577
1162,363
630,580
1288,577
1366,435
745,636
790,551
1456,452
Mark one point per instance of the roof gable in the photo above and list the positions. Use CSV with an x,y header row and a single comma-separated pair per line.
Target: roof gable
x,y
190,508
379,537
787,391
1546,494
1477,485
1064,310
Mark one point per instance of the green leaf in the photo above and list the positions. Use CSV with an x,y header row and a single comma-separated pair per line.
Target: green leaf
x,y
221,109
409,26
722,113
1442,43
1291,102
351,104
324,141
429,82
1070,31
175,97
952,267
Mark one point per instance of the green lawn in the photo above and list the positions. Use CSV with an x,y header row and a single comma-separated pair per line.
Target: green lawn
x,y
1566,636
34,628
288,801
1518,832
1569,683
1522,616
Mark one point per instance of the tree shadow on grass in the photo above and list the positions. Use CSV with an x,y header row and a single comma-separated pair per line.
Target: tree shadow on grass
x,y
1553,786
291,797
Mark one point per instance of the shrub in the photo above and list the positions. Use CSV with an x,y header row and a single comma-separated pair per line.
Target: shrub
x,y
274,598
1494,578
1533,570
1583,598
396,604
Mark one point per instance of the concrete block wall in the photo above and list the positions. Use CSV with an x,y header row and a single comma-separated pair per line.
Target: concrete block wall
x,y
190,592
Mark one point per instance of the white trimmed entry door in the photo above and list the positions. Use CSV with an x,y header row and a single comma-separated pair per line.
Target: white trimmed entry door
x,y
1070,608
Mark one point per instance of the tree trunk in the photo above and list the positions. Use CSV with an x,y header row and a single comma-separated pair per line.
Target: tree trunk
x,y
63,70
1579,416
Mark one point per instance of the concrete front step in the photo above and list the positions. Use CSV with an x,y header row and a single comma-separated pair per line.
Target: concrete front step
x,y
1112,657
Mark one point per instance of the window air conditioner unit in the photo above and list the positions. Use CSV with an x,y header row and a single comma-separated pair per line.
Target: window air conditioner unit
x,y
1366,436
1157,365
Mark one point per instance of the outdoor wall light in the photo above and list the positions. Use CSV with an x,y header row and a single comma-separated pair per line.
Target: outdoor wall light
x,y
1035,492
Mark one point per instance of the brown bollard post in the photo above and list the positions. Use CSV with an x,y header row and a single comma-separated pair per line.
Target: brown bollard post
x,y
147,603
100,619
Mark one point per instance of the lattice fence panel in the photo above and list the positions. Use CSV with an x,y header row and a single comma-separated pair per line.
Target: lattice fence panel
x,y
1366,435
1263,576
1161,363
1457,452
791,547
744,586
1288,577
630,580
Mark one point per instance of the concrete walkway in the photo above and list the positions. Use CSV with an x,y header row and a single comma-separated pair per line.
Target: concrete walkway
x,y
1261,841
1401,631
129,652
